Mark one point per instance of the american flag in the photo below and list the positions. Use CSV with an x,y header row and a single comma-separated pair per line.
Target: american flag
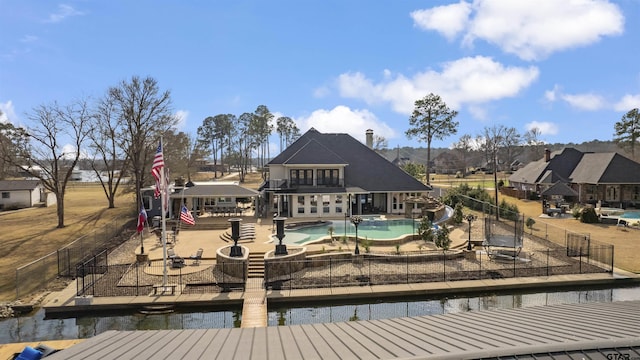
x,y
186,216
157,168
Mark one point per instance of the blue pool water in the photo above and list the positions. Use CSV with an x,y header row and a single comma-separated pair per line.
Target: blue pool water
x,y
631,214
374,229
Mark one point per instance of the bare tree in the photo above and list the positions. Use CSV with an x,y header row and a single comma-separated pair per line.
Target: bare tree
x,y
431,119
379,143
110,160
46,156
464,147
511,141
145,114
532,139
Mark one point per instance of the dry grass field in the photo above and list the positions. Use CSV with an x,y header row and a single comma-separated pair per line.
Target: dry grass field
x,y
29,234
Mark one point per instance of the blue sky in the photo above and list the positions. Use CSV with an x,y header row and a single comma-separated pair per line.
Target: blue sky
x,y
569,67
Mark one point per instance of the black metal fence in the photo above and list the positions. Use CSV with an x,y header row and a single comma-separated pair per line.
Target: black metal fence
x,y
38,273
401,269
138,279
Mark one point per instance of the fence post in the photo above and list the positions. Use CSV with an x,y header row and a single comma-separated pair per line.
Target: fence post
x,y
444,266
580,258
548,262
407,259
480,268
611,251
137,279
330,273
290,276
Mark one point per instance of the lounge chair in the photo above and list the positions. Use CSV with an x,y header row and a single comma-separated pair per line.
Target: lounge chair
x,y
197,257
176,261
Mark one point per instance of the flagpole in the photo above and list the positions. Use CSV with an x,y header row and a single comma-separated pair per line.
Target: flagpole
x,y
164,223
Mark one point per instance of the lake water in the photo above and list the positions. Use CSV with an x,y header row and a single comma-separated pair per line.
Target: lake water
x,y
37,328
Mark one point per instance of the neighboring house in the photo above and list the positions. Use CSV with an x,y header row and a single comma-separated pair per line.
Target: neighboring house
x,y
335,175
606,178
19,194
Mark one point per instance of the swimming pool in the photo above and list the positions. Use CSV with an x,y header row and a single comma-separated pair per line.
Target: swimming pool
x,y
631,214
370,228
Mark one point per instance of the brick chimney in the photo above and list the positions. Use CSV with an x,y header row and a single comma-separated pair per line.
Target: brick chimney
x,y
547,155
369,135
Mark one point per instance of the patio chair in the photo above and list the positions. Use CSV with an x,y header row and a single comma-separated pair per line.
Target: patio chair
x,y
197,257
176,261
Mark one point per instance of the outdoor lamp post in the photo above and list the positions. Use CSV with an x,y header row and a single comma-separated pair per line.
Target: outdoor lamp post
x,y
281,249
470,218
356,220
236,251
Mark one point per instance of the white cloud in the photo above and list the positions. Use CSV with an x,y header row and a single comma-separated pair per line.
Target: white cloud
x,y
182,116
471,81
545,127
69,152
588,101
342,119
8,113
532,30
552,95
64,11
627,103
449,20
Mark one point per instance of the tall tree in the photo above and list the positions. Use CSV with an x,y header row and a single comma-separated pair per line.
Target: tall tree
x,y
464,147
181,153
262,127
627,132
212,133
109,159
243,140
431,119
12,139
493,139
45,156
511,141
145,114
532,139
287,131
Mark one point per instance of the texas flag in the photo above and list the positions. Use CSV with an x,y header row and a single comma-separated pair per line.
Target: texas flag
x,y
142,219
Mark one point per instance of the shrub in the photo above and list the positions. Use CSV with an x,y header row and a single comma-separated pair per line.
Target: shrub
x,y
397,248
576,211
588,215
457,213
442,238
529,223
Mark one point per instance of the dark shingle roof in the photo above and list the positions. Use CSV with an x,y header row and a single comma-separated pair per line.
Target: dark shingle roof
x,y
573,166
366,168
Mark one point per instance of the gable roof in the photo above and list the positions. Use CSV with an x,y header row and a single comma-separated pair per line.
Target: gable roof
x,y
13,185
573,166
365,169
560,188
